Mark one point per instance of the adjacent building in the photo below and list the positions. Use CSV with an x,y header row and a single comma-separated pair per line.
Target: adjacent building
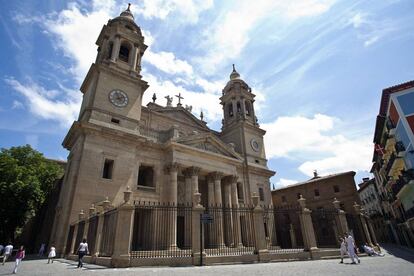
x,y
393,161
320,192
371,204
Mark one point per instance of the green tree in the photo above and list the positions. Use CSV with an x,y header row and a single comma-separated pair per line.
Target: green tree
x,y
26,178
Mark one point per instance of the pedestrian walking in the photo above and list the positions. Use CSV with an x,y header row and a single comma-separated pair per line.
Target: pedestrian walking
x,y
342,249
82,251
8,250
19,257
42,249
351,248
52,254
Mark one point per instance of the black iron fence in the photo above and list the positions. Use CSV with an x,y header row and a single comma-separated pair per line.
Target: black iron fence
x,y
69,239
91,235
161,230
325,226
108,233
355,227
282,228
230,232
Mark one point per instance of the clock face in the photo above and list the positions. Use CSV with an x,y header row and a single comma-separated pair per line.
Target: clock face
x,y
118,98
254,144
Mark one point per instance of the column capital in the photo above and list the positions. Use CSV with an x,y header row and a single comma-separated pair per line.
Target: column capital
x,y
232,178
192,171
336,204
171,167
216,175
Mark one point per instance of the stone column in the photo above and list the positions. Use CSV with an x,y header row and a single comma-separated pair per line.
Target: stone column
x,y
361,217
340,218
73,244
173,171
228,219
308,232
371,230
198,209
134,59
259,231
292,236
218,223
193,173
115,48
188,187
99,234
123,232
235,211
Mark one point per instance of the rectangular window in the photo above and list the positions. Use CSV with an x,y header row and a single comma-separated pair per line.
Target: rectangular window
x,y
108,169
146,176
316,192
336,189
115,121
261,194
283,198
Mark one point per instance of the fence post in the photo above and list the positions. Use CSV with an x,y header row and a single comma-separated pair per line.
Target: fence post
x,y
197,210
361,217
259,231
308,232
340,218
72,245
123,232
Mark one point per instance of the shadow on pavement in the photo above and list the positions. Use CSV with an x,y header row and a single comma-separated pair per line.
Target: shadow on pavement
x,y
74,265
399,252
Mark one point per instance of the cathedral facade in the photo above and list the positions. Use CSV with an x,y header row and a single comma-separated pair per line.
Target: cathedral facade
x,y
162,154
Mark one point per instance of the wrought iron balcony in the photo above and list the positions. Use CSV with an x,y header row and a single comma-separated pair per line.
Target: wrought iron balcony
x,y
399,147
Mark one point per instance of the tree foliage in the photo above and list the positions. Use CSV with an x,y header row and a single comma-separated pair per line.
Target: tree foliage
x,y
26,178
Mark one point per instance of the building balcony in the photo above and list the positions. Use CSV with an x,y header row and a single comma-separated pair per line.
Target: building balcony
x,y
404,183
390,126
397,165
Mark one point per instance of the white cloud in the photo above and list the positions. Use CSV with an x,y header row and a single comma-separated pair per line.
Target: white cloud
x,y
182,10
167,62
17,105
228,36
303,138
283,182
207,102
43,102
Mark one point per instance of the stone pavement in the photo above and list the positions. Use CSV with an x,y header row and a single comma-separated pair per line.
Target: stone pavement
x,y
396,262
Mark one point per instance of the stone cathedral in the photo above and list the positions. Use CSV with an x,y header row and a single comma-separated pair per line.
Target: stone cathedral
x,y
161,153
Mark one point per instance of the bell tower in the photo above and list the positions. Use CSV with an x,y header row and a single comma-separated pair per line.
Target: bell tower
x,y
113,88
239,124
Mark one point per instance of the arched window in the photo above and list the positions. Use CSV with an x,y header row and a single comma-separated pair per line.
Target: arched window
x,y
109,53
230,109
247,106
124,53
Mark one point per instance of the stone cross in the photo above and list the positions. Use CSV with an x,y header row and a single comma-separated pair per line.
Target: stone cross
x,y
179,99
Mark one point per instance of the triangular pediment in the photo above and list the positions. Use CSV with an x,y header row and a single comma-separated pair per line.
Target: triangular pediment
x,y
179,114
208,142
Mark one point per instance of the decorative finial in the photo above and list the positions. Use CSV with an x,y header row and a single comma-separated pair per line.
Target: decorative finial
x,y
129,5
273,186
179,99
201,115
234,75
154,98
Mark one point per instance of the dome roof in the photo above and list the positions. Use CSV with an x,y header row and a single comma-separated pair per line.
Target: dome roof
x,y
127,14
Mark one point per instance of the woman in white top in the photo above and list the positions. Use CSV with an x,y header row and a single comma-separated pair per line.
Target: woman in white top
x,y
52,254
82,251
342,249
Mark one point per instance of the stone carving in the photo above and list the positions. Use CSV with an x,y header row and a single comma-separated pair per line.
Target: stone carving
x,y
169,100
189,108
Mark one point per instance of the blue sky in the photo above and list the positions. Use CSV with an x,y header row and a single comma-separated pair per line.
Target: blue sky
x,y
317,68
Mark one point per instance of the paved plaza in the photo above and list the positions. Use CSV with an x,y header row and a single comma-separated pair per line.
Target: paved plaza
x,y
396,262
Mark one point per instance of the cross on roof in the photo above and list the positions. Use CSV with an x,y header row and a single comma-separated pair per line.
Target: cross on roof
x,y
179,99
